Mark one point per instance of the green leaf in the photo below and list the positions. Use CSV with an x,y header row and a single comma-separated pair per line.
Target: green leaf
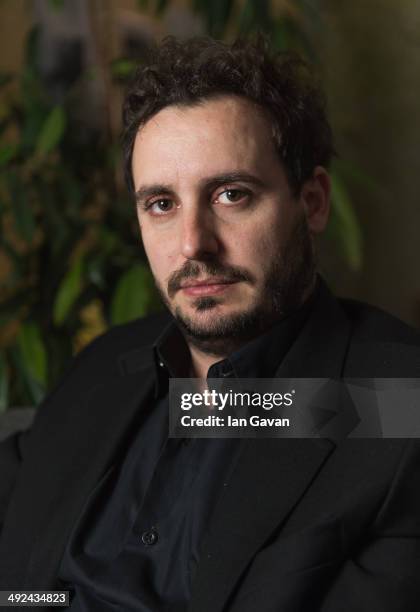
x,y
51,132
4,384
123,68
7,152
31,388
345,222
133,295
32,352
68,292
21,207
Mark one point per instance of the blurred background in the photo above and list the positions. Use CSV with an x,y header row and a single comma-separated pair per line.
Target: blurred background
x,y
71,264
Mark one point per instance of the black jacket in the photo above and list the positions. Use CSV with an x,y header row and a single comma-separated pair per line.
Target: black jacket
x,y
301,525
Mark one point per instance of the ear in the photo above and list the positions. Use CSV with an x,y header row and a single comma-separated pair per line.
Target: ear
x,y
315,197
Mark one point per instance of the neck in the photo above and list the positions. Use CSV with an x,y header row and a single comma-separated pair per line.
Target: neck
x,y
201,362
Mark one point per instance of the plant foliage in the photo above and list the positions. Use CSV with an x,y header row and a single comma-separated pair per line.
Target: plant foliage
x,y
69,245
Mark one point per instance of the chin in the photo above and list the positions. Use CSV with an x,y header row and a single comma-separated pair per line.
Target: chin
x,y
209,317
209,309
216,332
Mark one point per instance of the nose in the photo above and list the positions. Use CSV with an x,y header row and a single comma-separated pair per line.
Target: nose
x,y
198,234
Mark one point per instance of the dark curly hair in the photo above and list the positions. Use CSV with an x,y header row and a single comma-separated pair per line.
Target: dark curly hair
x,y
188,72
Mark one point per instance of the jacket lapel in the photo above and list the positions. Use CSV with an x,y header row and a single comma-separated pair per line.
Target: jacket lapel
x,y
108,417
271,475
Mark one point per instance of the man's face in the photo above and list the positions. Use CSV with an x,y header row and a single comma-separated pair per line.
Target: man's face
x,y
228,244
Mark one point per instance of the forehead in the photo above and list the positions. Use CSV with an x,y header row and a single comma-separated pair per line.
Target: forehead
x,y
219,135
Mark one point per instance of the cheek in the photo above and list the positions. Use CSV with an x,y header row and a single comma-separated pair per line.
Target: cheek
x,y
261,242
265,251
161,259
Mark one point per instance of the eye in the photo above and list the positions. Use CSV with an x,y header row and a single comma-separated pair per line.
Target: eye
x,y
159,207
231,196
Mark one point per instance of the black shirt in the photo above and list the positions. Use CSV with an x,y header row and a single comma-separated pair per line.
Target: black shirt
x,y
136,545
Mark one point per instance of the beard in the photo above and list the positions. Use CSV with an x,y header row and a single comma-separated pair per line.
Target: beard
x,y
287,282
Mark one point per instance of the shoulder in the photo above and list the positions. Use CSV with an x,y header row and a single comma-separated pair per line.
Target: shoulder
x,y
122,339
374,324
382,340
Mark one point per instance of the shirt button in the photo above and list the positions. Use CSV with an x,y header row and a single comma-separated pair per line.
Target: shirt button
x,y
162,365
227,374
149,538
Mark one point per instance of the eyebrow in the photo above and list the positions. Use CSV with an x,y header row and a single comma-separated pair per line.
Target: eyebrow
x,y
208,183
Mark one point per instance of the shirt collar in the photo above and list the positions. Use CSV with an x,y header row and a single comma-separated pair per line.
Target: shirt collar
x,y
261,357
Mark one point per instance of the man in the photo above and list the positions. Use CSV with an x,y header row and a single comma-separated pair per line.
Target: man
x,y
226,152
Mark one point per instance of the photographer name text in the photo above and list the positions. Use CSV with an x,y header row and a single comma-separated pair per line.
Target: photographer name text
x,y
230,421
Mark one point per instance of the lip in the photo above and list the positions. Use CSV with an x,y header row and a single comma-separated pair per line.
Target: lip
x,y
207,287
206,282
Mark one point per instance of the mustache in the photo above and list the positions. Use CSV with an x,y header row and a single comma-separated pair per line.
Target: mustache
x,y
192,270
